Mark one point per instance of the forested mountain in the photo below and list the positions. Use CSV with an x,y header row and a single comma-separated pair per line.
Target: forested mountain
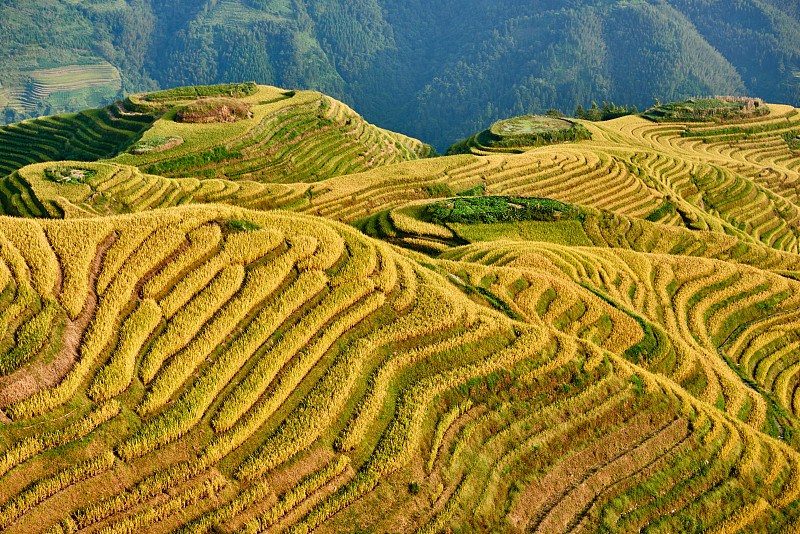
x,y
437,71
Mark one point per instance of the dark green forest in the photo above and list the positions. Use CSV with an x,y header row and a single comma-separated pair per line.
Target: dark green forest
x,y
438,71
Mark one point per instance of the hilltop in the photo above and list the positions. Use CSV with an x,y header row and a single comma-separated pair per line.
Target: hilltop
x,y
250,310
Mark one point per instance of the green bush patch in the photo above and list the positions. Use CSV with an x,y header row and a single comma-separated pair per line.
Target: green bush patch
x,y
529,125
234,90
475,191
491,209
569,233
792,141
718,109
521,133
237,225
535,130
667,208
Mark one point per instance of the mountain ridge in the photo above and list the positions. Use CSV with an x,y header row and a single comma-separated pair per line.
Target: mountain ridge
x,y
447,71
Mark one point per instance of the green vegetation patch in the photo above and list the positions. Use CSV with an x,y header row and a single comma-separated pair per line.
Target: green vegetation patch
x,y
238,225
473,192
68,175
605,113
207,110
156,144
522,133
725,108
233,90
535,130
529,125
193,160
492,209
664,210
792,141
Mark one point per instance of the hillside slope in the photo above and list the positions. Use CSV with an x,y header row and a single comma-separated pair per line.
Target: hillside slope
x,y
277,135
593,336
239,366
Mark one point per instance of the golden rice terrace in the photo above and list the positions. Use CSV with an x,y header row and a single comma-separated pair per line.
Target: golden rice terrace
x,y
280,318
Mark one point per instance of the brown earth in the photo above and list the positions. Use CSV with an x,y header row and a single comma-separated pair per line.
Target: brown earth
x,y
208,110
538,499
24,382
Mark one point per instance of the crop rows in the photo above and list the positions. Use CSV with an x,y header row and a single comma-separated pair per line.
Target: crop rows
x,y
308,139
699,320
630,367
87,136
283,351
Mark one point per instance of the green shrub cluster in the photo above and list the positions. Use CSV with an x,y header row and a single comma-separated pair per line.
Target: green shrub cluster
x,y
68,175
707,109
493,209
533,131
792,140
235,90
604,113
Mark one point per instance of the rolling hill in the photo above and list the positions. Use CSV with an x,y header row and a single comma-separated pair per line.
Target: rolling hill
x,y
256,312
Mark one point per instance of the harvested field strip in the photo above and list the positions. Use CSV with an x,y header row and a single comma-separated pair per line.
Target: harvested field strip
x,y
494,459
296,495
28,448
45,487
172,506
625,461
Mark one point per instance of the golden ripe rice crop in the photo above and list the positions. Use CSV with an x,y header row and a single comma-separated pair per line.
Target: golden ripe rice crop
x,y
278,326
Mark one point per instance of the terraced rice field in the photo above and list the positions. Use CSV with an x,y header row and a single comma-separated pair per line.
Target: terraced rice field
x,y
86,136
57,85
293,137
622,360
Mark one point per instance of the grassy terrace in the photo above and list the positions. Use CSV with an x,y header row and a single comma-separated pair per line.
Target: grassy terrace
x,y
90,84
88,136
293,322
289,136
520,134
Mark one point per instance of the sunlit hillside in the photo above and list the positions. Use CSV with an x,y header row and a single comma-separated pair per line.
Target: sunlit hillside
x,y
256,312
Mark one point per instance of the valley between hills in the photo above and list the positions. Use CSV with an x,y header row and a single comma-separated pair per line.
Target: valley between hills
x,y
238,308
